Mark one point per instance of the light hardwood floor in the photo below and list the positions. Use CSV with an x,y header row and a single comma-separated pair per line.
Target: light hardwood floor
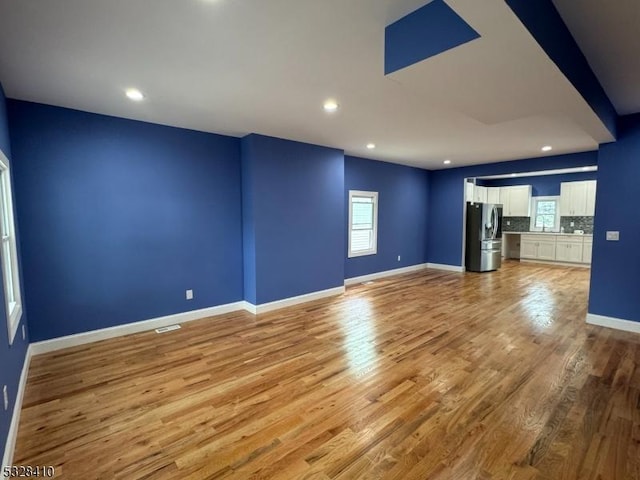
x,y
431,375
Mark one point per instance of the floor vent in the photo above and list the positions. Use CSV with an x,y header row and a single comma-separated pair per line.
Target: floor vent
x,y
368,283
167,329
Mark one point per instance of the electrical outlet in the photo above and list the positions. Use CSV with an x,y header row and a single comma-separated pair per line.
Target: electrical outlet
x,y
572,224
509,222
24,332
398,257
189,294
6,397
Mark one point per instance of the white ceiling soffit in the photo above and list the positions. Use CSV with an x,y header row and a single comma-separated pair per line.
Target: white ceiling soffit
x,y
236,67
608,35
541,173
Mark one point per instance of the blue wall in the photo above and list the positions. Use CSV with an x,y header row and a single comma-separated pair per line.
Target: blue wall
x,y
294,199
402,214
616,265
11,356
119,217
446,198
248,219
543,185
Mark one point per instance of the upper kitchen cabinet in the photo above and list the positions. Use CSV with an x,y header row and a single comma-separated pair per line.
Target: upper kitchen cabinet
x,y
476,193
493,194
578,199
591,198
480,194
515,200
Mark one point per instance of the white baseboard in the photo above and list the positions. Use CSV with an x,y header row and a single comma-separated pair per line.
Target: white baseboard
x,y
386,273
287,302
59,343
553,262
249,307
7,458
611,322
448,268
135,327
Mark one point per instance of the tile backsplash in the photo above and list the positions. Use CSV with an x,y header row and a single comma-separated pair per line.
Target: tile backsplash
x,y
579,223
516,224
523,224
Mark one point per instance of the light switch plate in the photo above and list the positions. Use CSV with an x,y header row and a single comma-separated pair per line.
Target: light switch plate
x,y
189,294
613,236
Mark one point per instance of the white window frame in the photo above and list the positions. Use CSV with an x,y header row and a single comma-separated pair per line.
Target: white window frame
x,y
374,199
9,252
534,211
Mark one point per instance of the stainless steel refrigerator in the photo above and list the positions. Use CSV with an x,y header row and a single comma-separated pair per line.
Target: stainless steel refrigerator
x,y
484,237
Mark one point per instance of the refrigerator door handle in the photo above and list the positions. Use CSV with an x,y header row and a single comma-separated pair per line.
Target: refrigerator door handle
x,y
494,221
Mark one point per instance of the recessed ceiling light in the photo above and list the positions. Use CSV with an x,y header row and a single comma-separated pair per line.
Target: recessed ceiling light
x,y
371,146
330,106
547,148
447,162
134,94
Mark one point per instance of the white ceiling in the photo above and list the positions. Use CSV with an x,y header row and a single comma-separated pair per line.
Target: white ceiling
x,y
236,67
608,34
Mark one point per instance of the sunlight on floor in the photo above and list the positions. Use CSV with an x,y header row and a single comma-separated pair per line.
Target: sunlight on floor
x,y
360,337
540,305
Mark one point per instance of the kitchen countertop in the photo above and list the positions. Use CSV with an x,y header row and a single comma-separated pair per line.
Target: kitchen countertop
x,y
550,233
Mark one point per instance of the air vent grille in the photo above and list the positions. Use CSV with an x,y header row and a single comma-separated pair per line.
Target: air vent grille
x,y
167,329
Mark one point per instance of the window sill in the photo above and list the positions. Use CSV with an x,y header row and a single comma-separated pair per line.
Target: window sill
x,y
361,254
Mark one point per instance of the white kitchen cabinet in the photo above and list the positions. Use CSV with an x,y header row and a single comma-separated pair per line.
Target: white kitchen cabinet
x,y
475,193
515,200
493,194
578,199
558,248
568,198
547,249
591,198
480,194
587,249
569,249
538,247
528,247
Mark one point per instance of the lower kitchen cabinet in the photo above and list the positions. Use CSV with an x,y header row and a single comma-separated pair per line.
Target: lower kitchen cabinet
x,y
587,249
546,249
537,247
528,248
556,248
569,251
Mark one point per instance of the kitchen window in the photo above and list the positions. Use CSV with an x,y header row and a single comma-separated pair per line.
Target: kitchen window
x,y
363,223
546,214
9,254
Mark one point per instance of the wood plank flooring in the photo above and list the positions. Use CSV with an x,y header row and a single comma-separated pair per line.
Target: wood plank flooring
x,y
431,375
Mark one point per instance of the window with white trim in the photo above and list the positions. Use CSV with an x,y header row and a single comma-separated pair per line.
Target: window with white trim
x,y
363,223
546,214
8,252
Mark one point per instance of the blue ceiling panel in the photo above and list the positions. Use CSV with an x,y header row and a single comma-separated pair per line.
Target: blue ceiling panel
x,y
426,32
